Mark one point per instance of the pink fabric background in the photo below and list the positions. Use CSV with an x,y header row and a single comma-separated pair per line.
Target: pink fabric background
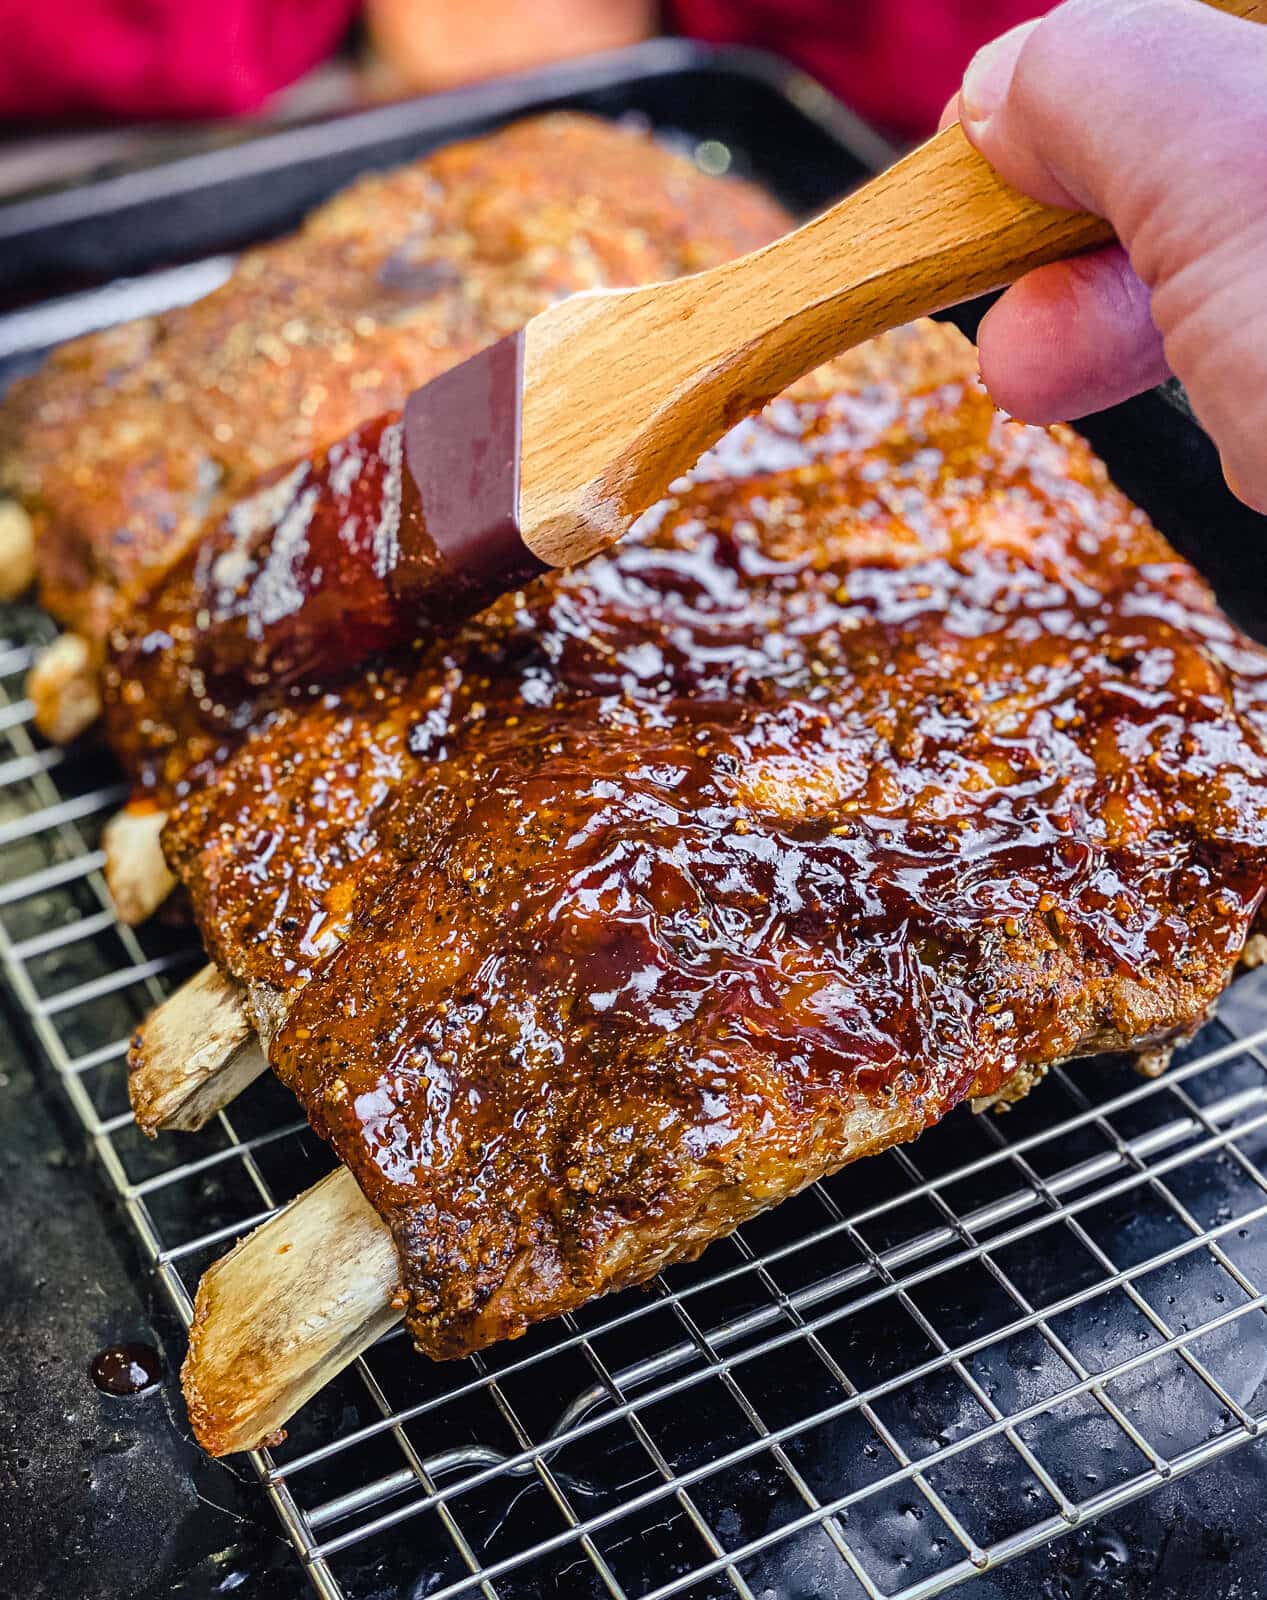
x,y
159,58
896,61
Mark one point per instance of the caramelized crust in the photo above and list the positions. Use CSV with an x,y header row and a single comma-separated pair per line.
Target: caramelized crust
x,y
894,756
128,440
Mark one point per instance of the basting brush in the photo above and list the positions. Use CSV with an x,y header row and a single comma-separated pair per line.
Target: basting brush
x,y
544,448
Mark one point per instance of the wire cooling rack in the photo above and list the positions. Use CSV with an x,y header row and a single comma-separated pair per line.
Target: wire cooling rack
x,y
906,1376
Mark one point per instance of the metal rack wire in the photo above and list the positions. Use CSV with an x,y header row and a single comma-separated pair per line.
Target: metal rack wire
x,y
910,1374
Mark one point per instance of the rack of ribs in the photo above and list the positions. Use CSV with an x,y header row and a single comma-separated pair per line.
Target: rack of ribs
x,y
198,1049
892,759
129,443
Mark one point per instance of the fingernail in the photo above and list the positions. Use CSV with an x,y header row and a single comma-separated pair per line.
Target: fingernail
x,y
989,74
986,80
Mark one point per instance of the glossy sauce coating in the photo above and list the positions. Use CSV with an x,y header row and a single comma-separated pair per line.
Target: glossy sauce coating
x,y
296,580
407,526
896,754
126,1369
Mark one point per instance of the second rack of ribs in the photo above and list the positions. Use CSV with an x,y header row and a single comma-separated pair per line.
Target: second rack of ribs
x,y
894,758
128,442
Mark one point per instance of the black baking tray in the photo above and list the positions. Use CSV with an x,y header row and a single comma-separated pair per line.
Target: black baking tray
x,y
787,131
61,254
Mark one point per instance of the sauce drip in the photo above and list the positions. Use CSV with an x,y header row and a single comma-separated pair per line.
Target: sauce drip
x,y
127,1369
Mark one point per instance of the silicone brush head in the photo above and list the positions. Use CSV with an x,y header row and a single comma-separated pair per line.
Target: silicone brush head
x,y
410,523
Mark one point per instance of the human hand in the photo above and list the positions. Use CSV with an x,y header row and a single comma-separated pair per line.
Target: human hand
x,y
1152,113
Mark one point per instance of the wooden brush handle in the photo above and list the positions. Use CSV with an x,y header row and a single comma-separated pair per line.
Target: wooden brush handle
x,y
937,228
694,356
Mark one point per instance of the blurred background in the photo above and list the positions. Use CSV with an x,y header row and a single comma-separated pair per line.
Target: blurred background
x,y
86,85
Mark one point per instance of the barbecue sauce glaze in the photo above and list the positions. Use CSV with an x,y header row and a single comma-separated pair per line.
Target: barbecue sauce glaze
x,y
299,572
895,753
337,561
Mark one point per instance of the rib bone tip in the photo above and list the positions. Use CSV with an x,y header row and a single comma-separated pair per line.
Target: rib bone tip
x,y
137,876
64,690
273,1325
17,551
192,1055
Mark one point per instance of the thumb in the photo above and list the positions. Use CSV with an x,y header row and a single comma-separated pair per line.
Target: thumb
x,y
1152,113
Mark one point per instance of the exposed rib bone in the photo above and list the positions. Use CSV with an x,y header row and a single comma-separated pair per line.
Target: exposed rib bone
x,y
17,551
292,1304
192,1055
286,1310
137,876
64,689
1012,1089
